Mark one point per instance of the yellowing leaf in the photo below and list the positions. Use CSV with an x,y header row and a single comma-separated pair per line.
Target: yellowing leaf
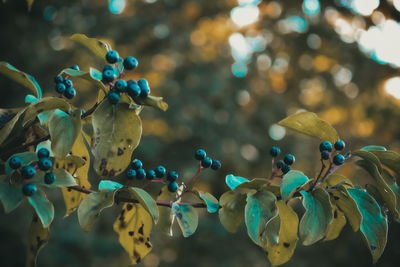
x,y
336,179
231,213
97,47
308,123
37,239
336,225
44,104
133,226
165,214
144,199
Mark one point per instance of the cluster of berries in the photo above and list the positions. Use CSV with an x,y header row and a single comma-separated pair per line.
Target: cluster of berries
x,y
27,172
135,89
283,165
205,161
64,86
137,172
326,149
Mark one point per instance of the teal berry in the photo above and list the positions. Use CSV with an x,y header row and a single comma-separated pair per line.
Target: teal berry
x,y
338,159
339,145
29,190
45,164
70,93
275,151
285,169
112,56
130,63
200,154
43,153
289,159
58,79
68,83
133,89
326,145
150,175
172,187
280,164
60,88
172,176
28,172
144,88
160,171
325,155
113,97
140,173
108,67
131,174
74,67
15,162
215,165
137,164
108,76
121,86
206,162
49,178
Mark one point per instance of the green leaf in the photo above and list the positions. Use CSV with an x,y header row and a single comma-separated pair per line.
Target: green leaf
x,y
187,218
97,47
92,205
259,209
336,225
370,157
153,101
233,181
374,225
250,186
371,148
64,130
318,216
45,104
145,200
63,178
231,213
107,184
291,182
165,214
10,194
6,128
117,132
210,201
308,123
389,158
391,182
26,157
45,144
43,207
336,179
90,76
20,77
38,237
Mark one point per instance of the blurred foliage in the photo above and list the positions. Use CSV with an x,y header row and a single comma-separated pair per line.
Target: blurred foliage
x,y
185,50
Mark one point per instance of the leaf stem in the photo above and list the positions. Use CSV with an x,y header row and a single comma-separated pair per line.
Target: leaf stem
x,y
194,179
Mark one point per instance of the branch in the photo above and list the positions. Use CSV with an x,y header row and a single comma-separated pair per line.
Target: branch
x,y
90,111
25,145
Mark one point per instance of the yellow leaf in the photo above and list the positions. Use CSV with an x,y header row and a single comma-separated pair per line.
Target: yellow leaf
x,y
336,225
30,3
97,47
37,238
133,226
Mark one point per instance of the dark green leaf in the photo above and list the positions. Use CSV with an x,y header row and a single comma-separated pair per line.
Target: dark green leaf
x,y
231,213
291,182
45,104
91,76
389,158
26,157
63,178
368,156
233,181
43,207
10,194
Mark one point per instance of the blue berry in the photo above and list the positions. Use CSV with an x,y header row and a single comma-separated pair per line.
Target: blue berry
x,y
133,89
325,154
29,190
108,76
289,159
275,151
113,97
172,176
68,83
206,162
200,154
112,56
160,171
58,79
285,169
43,153
120,85
215,165
137,164
338,159
150,175
108,67
280,164
75,67
130,63
45,164
131,174
339,145
60,88
49,178
326,145
140,173
172,187
70,93
28,172
15,162
144,88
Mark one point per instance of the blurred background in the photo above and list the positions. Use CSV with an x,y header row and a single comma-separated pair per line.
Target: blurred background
x,y
229,71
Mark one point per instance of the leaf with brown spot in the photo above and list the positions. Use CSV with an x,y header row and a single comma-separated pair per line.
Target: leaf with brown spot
x,y
336,225
165,215
37,239
133,226
44,104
